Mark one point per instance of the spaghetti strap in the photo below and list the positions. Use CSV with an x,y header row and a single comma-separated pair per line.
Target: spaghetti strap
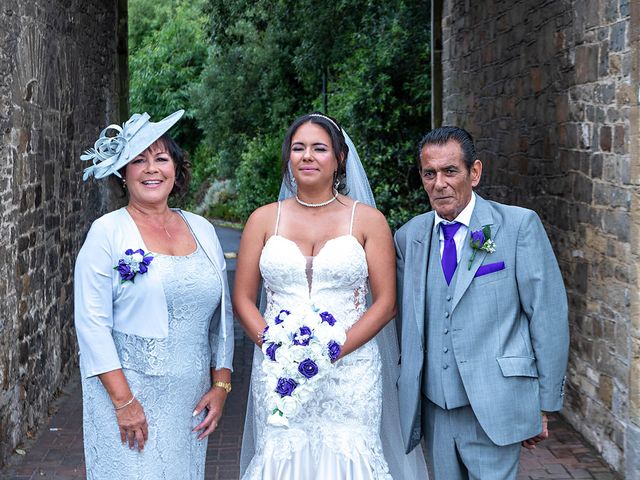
x,y
353,211
277,219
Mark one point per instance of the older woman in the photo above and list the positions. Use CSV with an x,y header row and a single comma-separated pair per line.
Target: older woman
x,y
152,315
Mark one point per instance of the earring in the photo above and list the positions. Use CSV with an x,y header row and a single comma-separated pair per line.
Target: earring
x,y
336,180
124,184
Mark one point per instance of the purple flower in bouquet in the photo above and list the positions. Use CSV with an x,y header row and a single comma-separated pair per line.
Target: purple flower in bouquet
x,y
302,336
308,368
271,350
286,386
279,318
327,317
334,350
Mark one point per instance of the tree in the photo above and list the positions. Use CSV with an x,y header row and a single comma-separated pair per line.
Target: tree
x,y
168,43
266,65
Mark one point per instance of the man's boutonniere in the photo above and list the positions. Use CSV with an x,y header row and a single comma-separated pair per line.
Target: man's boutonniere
x,y
134,262
481,240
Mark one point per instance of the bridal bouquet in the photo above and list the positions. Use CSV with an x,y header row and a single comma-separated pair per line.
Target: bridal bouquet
x,y
300,346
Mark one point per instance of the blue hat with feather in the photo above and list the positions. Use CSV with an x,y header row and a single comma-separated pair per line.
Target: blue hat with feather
x,y
110,153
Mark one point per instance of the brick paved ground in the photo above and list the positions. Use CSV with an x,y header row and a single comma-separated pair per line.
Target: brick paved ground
x,y
57,451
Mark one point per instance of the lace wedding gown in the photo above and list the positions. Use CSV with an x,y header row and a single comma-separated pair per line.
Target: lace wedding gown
x,y
337,435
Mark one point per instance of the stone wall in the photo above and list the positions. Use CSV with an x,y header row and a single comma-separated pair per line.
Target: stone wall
x,y
60,83
549,89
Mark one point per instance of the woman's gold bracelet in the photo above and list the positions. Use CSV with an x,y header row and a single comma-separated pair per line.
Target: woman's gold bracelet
x,y
225,385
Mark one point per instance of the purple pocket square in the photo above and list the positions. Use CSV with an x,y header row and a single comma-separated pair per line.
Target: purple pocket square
x,y
489,268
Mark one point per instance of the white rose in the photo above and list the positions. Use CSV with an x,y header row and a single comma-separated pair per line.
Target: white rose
x,y
290,370
285,355
299,353
271,383
279,371
277,420
324,365
315,350
305,394
324,332
339,334
288,406
278,334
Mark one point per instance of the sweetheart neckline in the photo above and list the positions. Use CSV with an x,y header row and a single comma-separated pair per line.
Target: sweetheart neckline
x,y
321,249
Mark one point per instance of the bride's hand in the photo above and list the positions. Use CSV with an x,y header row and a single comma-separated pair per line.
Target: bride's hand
x,y
213,401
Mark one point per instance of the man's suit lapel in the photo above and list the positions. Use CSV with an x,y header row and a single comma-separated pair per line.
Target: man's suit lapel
x,y
420,247
481,216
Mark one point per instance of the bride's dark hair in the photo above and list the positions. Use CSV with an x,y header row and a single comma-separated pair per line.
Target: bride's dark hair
x,y
338,144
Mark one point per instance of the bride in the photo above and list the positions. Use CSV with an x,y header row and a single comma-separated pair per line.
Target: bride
x,y
324,244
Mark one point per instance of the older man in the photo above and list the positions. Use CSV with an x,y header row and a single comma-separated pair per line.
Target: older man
x,y
482,318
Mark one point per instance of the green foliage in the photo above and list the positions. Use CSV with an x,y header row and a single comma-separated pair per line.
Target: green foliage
x,y
220,201
249,85
266,66
382,96
245,70
259,175
168,43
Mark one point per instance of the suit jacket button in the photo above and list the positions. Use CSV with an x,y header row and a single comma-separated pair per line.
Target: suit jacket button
x,y
445,366
445,349
448,298
446,314
446,330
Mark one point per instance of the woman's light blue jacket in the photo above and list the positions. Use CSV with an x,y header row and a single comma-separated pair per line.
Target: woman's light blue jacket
x,y
103,303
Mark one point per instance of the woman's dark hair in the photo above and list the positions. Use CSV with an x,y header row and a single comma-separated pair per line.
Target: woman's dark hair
x,y
338,144
181,163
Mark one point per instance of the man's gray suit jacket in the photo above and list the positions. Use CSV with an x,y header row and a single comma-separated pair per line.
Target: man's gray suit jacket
x,y
510,331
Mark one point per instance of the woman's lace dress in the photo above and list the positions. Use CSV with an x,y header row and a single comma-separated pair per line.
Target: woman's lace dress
x,y
168,376
338,434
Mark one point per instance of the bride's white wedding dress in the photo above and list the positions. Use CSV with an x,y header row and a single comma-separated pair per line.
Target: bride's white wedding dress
x,y
337,436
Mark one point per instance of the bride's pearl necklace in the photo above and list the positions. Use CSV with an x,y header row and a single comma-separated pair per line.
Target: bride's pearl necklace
x,y
314,205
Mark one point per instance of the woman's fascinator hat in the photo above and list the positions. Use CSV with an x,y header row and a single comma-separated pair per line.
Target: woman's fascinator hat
x,y
110,153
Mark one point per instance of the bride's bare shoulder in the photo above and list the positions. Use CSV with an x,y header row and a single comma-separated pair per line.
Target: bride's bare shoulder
x,y
368,214
369,222
262,217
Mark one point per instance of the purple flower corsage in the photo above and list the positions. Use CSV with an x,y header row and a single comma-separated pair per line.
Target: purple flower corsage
x,y
481,240
134,262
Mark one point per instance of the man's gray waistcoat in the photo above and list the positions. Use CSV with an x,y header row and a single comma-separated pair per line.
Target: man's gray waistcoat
x,y
442,383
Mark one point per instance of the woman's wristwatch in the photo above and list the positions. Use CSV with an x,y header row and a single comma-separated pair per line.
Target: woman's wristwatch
x,y
225,385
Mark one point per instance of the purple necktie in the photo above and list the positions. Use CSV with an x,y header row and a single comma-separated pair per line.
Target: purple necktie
x,y
449,255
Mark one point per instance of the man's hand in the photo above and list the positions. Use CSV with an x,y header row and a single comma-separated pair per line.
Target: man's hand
x,y
531,442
